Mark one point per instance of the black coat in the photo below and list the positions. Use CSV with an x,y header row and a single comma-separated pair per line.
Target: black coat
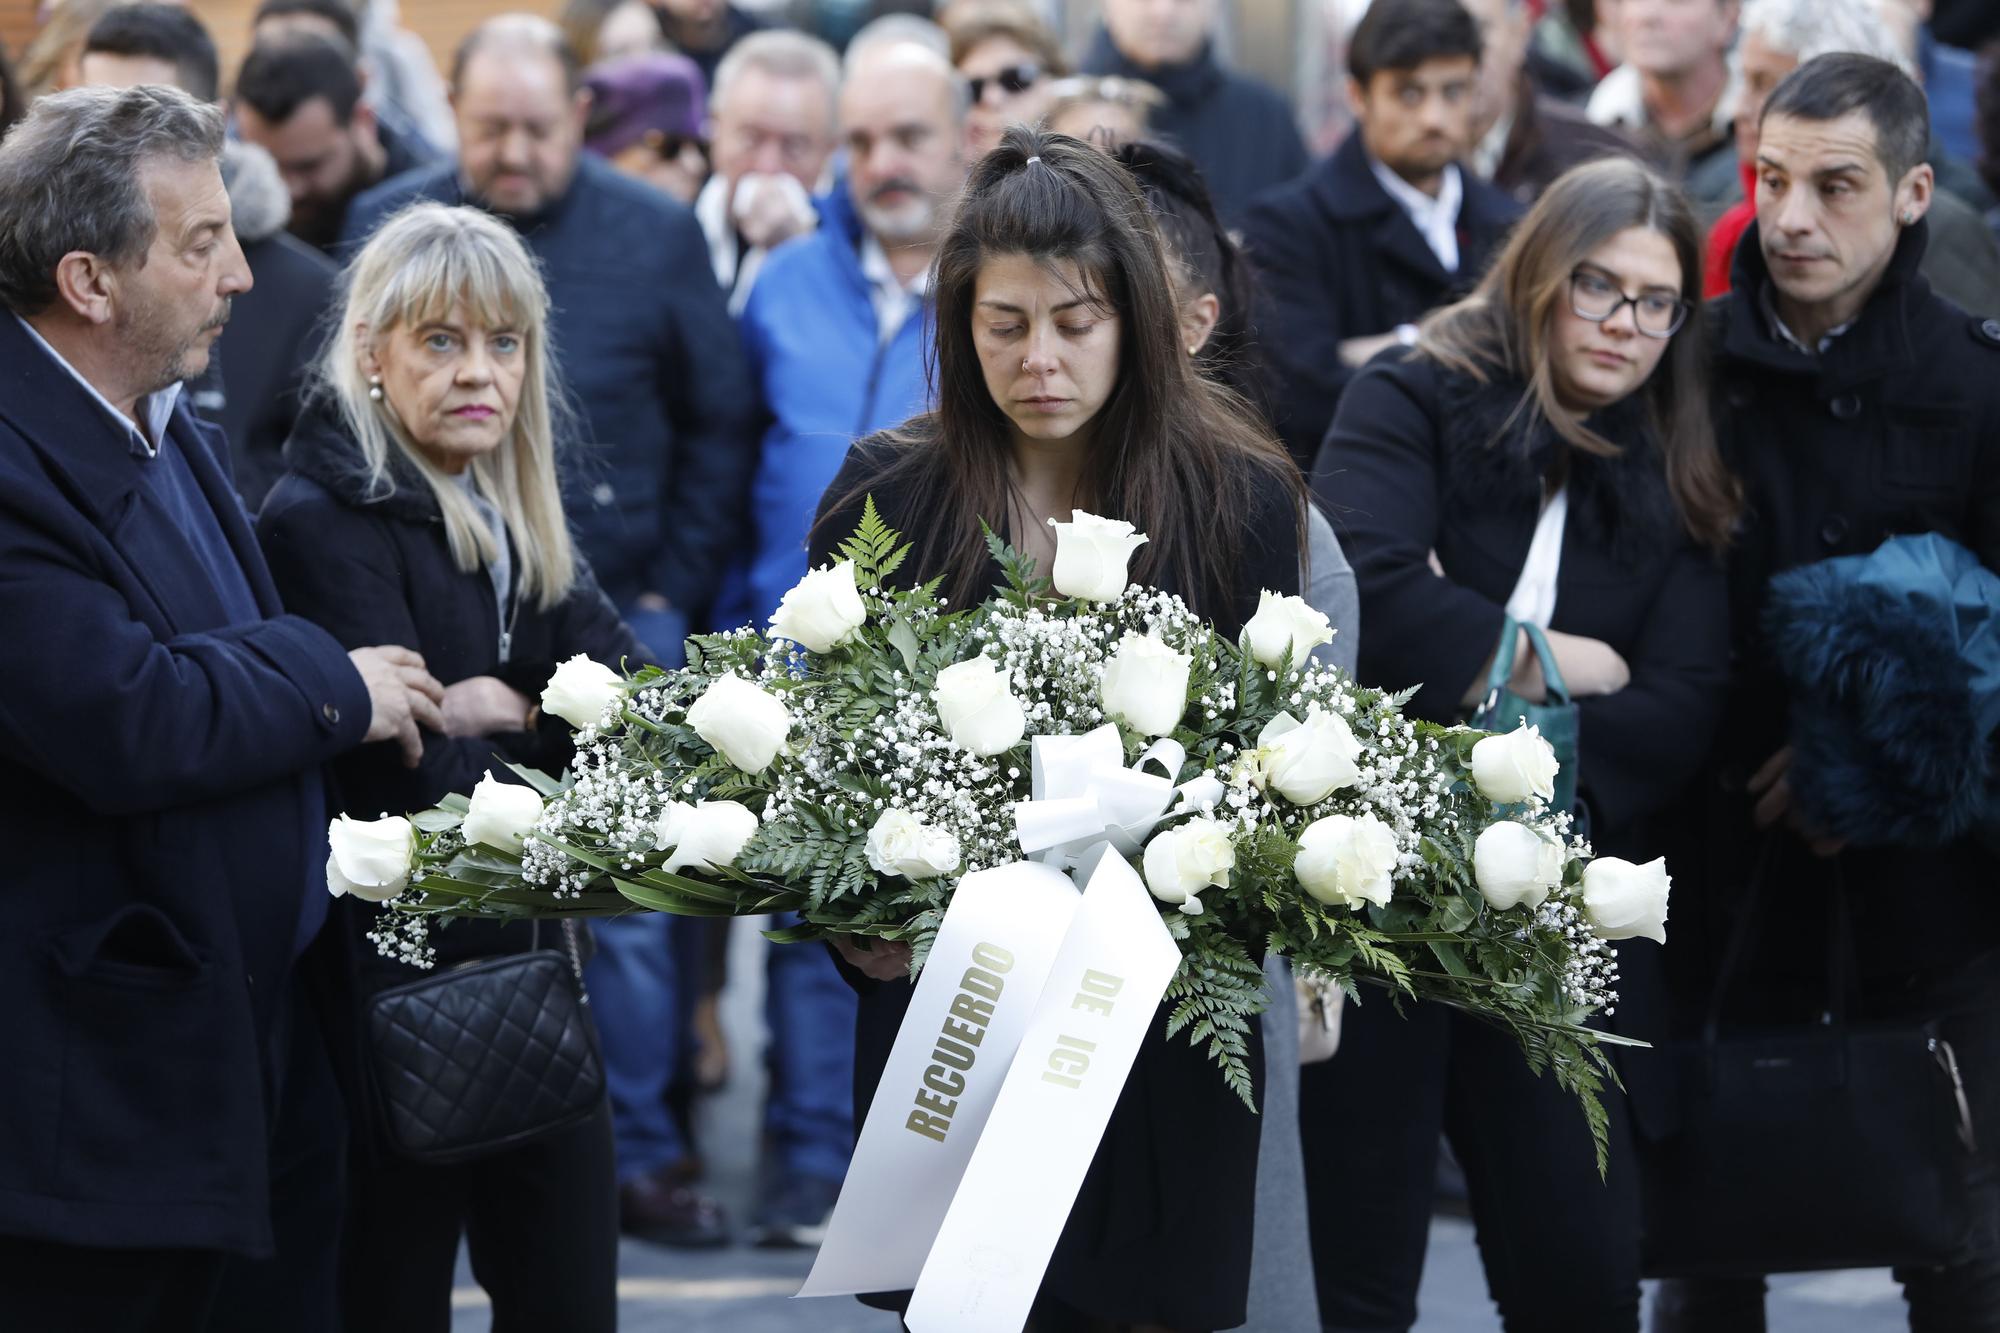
x,y
657,481
1894,429
1176,1172
1422,459
261,362
382,572
1338,259
162,807
1417,462
1240,133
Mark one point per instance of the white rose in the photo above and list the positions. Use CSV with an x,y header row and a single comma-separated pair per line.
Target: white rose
x,y
1624,901
579,690
746,725
501,814
1146,684
706,835
822,610
1285,625
1305,762
1345,860
1509,769
1184,860
1513,864
902,844
1091,556
978,710
370,859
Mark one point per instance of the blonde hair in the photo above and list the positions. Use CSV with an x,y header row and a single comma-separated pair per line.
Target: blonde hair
x,y
422,263
60,41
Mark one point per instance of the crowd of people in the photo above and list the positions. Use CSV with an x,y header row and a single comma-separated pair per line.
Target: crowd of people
x,y
342,397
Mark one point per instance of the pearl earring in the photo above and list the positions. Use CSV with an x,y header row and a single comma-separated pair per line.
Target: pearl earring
x,y
1194,349
375,388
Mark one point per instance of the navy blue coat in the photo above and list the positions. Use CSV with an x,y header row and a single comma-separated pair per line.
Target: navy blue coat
x,y
158,778
655,486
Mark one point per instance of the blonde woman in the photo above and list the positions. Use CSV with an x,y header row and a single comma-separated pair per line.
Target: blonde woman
x,y
421,503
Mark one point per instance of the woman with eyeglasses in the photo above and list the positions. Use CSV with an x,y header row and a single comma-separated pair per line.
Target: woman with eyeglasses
x,y
1008,56
1543,452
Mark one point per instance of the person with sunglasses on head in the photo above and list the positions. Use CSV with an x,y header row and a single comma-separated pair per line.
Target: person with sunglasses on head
x,y
1009,59
1542,455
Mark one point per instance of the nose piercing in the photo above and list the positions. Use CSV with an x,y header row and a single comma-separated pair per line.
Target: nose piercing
x,y
1024,363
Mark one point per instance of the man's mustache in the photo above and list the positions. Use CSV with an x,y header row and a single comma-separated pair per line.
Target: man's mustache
x,y
896,186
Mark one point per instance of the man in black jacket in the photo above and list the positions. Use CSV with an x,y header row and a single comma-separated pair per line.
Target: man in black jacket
x,y
298,97
1353,254
1240,133
1856,405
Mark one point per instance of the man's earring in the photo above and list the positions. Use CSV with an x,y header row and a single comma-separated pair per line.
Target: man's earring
x,y
375,388
1909,218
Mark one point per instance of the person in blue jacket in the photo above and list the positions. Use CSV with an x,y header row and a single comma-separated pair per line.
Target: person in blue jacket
x,y
653,480
162,727
835,335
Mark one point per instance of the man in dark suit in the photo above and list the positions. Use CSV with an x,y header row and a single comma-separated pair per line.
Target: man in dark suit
x,y
161,727
1356,251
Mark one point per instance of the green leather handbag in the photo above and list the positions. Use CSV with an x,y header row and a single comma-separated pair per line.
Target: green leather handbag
x,y
1555,718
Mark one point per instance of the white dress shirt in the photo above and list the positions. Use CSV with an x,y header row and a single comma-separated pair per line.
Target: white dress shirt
x,y
1436,220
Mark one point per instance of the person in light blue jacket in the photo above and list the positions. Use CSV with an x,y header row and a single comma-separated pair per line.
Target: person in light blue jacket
x,y
834,328
835,336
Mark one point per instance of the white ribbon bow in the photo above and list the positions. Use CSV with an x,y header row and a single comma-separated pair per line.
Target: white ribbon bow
x,y
1086,801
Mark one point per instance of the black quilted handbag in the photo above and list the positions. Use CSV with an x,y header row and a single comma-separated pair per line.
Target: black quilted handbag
x,y
486,1057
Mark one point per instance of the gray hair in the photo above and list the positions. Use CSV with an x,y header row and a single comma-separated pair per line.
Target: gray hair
x,y
782,54
70,179
1811,28
926,44
892,28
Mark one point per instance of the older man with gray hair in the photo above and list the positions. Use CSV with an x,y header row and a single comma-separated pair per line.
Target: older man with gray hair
x,y
1962,260
162,723
771,134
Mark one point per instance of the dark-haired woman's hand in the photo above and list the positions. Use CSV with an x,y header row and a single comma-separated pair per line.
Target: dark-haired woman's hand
x,y
883,960
484,706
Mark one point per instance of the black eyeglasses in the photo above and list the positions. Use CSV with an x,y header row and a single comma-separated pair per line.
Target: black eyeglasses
x,y
1596,298
1011,80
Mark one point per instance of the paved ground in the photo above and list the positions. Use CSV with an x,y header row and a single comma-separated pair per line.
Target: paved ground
x,y
741,1290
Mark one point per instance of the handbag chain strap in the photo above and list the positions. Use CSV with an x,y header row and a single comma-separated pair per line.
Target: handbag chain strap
x,y
570,952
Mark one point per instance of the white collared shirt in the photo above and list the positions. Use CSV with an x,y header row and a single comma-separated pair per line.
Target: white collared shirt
x,y
156,408
895,300
1436,220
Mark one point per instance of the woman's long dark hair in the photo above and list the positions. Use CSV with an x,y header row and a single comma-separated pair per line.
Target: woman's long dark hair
x,y
1503,328
1181,458
1209,259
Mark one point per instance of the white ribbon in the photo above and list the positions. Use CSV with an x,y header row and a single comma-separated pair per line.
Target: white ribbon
x,y
1086,801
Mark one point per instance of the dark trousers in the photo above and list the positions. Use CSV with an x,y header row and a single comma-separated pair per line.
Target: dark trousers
x,y
1560,1246
1962,1296
295,1288
50,1288
541,1222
